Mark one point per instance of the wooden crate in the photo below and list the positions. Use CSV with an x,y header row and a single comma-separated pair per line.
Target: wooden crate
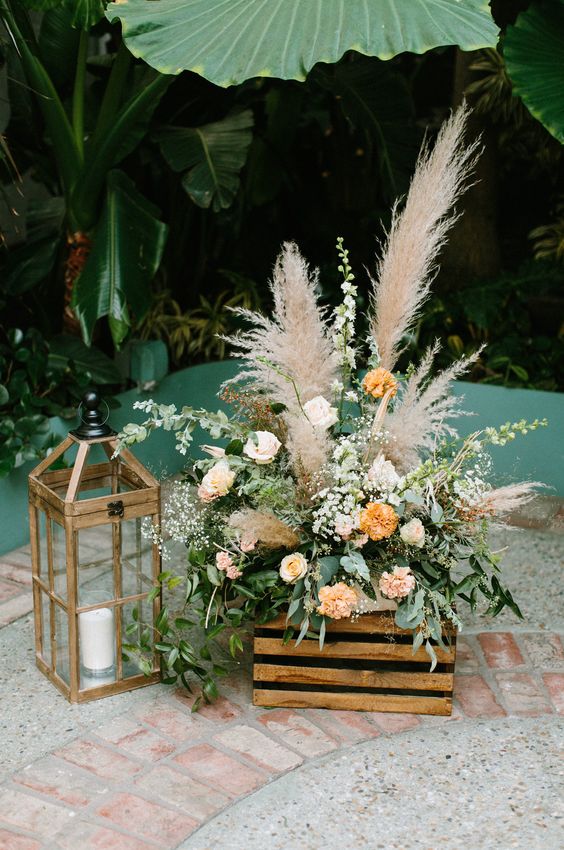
x,y
365,665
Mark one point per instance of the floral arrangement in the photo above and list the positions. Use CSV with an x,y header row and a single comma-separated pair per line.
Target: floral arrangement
x,y
333,494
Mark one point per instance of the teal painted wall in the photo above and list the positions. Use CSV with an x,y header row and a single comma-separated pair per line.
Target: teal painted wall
x,y
539,455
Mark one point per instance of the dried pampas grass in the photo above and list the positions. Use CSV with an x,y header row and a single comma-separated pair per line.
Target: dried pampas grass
x,y
297,341
264,527
407,262
421,414
505,500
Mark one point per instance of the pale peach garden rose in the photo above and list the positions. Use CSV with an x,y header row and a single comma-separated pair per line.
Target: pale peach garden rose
x,y
223,561
293,567
247,544
398,584
320,413
413,533
265,449
338,601
216,482
233,572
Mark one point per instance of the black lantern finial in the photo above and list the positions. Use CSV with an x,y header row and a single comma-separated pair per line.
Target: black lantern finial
x,y
94,423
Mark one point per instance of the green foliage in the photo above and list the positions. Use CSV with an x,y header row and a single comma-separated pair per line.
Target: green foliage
x,y
211,156
517,315
128,246
227,44
534,54
38,380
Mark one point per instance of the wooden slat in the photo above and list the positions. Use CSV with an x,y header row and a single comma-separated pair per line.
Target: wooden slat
x,y
346,649
129,684
102,518
36,566
40,490
71,539
354,702
423,681
77,472
60,477
377,623
100,503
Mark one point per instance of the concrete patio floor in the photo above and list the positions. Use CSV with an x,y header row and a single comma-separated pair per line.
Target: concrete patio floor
x,y
140,771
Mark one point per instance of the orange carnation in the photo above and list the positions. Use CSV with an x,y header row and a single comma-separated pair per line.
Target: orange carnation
x,y
378,521
378,382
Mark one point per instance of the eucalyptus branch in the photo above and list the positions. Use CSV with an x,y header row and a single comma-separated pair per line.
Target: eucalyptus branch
x,y
286,377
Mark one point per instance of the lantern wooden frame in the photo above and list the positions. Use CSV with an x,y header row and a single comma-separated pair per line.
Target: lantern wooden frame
x,y
56,493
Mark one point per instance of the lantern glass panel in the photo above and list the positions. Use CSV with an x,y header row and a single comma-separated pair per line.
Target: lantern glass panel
x,y
136,556
95,562
59,556
62,665
46,629
43,565
136,620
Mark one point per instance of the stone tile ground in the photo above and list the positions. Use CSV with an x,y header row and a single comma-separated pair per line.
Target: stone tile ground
x,y
140,771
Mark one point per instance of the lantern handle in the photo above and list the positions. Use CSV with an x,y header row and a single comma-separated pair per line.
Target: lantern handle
x,y
94,426
85,421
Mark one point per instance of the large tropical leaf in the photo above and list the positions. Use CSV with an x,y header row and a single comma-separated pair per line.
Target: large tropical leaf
x,y
65,349
58,45
128,246
534,55
84,13
228,41
212,157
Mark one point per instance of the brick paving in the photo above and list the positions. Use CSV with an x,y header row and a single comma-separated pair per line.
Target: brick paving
x,y
152,776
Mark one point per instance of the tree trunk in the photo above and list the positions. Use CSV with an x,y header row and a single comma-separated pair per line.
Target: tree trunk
x,y
473,249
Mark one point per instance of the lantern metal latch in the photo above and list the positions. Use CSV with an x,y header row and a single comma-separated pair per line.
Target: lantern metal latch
x,y
115,509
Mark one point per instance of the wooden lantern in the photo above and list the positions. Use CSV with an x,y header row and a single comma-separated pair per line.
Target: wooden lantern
x,y
94,561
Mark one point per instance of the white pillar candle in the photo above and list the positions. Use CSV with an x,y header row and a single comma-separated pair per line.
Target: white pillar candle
x,y
97,639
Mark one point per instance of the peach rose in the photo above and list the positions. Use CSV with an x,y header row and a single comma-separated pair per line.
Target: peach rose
x,y
216,482
337,601
378,382
320,413
413,533
398,584
265,449
378,520
293,567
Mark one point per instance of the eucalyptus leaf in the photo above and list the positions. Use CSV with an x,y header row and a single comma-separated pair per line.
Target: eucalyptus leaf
x,y
354,563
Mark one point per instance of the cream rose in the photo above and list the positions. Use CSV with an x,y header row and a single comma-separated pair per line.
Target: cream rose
x,y
216,482
293,567
413,533
265,449
320,413
214,451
